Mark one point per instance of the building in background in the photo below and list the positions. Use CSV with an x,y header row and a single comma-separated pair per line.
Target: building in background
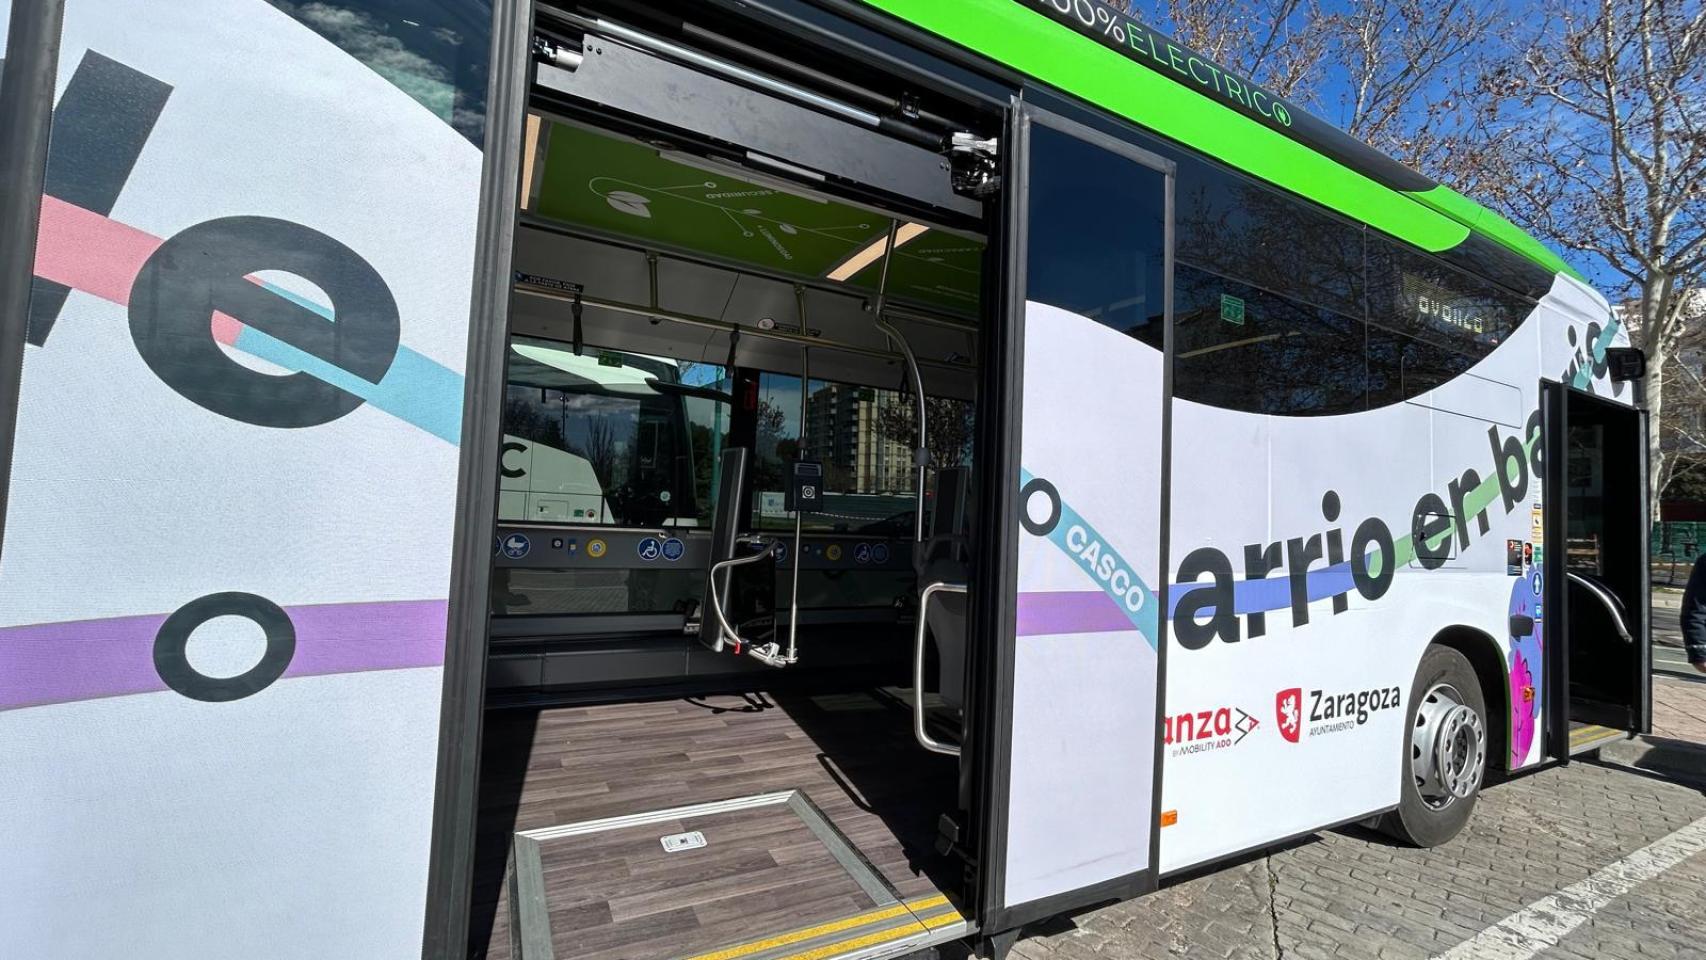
x,y
843,431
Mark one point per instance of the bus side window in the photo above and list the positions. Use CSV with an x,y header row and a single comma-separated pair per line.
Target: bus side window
x,y
608,438
1243,348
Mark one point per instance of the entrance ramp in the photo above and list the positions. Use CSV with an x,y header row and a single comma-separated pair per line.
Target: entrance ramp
x,y
763,877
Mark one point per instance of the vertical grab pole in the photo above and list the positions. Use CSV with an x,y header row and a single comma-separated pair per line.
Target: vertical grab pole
x,y
805,387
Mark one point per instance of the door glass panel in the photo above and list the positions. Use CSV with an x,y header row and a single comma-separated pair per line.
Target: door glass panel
x,y
1585,485
1085,661
609,438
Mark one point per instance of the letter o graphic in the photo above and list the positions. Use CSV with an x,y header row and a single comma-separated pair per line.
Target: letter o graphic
x,y
1372,532
1044,527
171,643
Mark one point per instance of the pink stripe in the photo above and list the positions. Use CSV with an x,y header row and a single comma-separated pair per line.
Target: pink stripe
x,y
94,254
226,327
86,251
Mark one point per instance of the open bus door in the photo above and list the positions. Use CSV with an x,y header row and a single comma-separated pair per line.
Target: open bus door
x,y
1070,791
1595,570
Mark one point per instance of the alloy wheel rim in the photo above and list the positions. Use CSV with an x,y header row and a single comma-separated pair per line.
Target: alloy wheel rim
x,y
1448,748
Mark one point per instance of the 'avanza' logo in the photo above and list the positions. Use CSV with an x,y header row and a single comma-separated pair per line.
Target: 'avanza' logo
x,y
1206,730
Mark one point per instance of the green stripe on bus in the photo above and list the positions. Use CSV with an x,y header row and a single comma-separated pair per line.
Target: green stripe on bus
x,y
1025,40
1495,227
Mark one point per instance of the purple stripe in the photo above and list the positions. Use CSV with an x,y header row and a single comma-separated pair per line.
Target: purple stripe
x,y
1074,611
87,659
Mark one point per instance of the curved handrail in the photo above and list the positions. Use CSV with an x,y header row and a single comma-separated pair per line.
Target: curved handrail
x,y
1610,602
724,630
924,739
920,453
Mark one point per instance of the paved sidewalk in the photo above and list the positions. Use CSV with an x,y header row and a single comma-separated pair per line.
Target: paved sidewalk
x,y
1679,711
1353,894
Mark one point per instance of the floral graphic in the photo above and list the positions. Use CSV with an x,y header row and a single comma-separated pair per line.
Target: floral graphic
x,y
1522,707
1526,667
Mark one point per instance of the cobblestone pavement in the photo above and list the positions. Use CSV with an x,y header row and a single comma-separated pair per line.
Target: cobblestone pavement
x,y
1352,894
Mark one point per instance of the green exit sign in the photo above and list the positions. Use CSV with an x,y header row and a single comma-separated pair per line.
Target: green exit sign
x,y
1231,309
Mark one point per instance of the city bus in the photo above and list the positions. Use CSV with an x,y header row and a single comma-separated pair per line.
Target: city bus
x,y
753,479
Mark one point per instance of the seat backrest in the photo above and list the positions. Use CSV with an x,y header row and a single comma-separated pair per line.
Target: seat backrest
x,y
945,536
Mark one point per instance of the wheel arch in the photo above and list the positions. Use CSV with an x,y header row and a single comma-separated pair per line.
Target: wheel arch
x,y
1488,661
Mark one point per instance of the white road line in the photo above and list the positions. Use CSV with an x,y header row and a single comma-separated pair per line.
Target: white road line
x,y
1544,922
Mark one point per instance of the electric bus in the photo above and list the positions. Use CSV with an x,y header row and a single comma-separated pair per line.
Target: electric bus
x,y
753,479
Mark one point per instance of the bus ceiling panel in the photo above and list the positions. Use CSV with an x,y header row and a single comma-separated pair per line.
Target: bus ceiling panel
x,y
944,359
597,185
619,77
603,270
714,290
611,330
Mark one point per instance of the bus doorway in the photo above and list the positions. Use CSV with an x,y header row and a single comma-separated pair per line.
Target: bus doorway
x,y
1595,565
727,669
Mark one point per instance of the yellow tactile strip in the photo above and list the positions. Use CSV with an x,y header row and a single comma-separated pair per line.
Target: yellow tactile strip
x,y
838,937
1588,735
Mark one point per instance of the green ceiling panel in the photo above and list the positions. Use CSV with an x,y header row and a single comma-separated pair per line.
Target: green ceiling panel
x,y
622,187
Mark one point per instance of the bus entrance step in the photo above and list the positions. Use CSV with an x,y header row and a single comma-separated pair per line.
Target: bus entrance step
x,y
898,930
1591,736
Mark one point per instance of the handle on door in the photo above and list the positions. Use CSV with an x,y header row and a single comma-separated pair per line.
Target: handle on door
x,y
924,739
1610,602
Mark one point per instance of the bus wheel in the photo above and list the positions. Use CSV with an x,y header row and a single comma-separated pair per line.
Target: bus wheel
x,y
1445,754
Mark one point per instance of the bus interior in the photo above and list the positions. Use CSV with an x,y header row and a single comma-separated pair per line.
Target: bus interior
x,y
724,711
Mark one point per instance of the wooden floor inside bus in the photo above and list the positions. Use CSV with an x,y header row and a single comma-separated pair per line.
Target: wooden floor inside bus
x,y
851,754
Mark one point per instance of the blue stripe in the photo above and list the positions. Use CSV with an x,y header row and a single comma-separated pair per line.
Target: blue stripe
x,y
415,389
1274,593
1143,618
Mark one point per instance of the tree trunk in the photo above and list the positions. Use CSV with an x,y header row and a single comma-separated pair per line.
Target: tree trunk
x,y
1657,358
1654,337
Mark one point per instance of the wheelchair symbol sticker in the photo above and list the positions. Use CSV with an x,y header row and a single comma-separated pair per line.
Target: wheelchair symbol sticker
x,y
515,546
862,553
650,549
673,548
781,550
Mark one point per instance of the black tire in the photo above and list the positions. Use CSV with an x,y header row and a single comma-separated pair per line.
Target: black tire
x,y
1416,821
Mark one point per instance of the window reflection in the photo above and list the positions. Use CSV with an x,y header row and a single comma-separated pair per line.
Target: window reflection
x,y
1239,347
1232,225
1282,306
1097,235
1421,297
864,437
609,437
435,51
1401,367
